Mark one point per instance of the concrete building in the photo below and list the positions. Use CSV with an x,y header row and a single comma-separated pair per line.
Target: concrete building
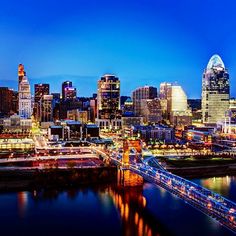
x,y
25,105
215,91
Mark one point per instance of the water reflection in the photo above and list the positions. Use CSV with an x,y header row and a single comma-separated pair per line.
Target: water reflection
x,y
129,200
118,209
226,186
22,200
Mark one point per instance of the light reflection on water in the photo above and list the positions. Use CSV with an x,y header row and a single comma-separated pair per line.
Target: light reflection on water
x,y
226,186
119,209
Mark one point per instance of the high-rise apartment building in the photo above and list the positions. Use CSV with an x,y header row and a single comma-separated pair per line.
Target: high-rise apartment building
x,y
146,92
108,102
215,91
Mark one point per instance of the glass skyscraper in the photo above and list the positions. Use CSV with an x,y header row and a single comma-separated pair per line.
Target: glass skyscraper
x,y
108,102
215,91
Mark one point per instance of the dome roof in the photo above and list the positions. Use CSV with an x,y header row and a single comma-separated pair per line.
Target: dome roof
x,y
215,61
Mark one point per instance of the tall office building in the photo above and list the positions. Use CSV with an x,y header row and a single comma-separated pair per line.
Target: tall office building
x,y
68,91
108,102
146,92
215,91
25,108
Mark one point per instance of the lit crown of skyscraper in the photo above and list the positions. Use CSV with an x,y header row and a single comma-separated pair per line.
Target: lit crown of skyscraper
x,y
21,71
215,61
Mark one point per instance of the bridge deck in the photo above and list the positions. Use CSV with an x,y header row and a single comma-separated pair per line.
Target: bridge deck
x,y
209,202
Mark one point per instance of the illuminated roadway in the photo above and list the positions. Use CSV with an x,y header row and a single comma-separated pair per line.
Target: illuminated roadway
x,y
209,202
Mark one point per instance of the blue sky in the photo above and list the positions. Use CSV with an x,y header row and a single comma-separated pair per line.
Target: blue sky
x,y
141,41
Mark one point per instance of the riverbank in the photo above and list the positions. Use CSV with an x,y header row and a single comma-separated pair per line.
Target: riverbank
x,y
17,179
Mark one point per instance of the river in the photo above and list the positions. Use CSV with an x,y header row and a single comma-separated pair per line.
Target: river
x,y
109,210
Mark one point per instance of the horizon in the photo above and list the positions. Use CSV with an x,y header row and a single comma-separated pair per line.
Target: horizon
x,y
141,42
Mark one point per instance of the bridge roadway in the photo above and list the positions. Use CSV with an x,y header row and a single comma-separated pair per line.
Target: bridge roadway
x,y
205,200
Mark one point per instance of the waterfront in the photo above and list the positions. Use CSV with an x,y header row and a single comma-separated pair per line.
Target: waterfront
x,y
109,210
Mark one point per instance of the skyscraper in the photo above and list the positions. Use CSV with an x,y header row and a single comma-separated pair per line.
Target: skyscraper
x,y
215,91
25,108
108,102
68,91
146,92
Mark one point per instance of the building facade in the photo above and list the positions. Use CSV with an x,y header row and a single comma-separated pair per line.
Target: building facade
x,y
45,108
25,107
39,91
68,91
6,100
151,110
179,115
108,103
146,92
215,91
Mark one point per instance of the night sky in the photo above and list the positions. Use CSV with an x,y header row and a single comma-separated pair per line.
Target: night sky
x,y
143,42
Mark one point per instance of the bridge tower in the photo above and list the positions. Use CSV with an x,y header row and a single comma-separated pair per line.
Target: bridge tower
x,y
130,144
126,177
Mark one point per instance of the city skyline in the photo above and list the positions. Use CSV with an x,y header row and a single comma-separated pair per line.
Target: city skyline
x,y
142,44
